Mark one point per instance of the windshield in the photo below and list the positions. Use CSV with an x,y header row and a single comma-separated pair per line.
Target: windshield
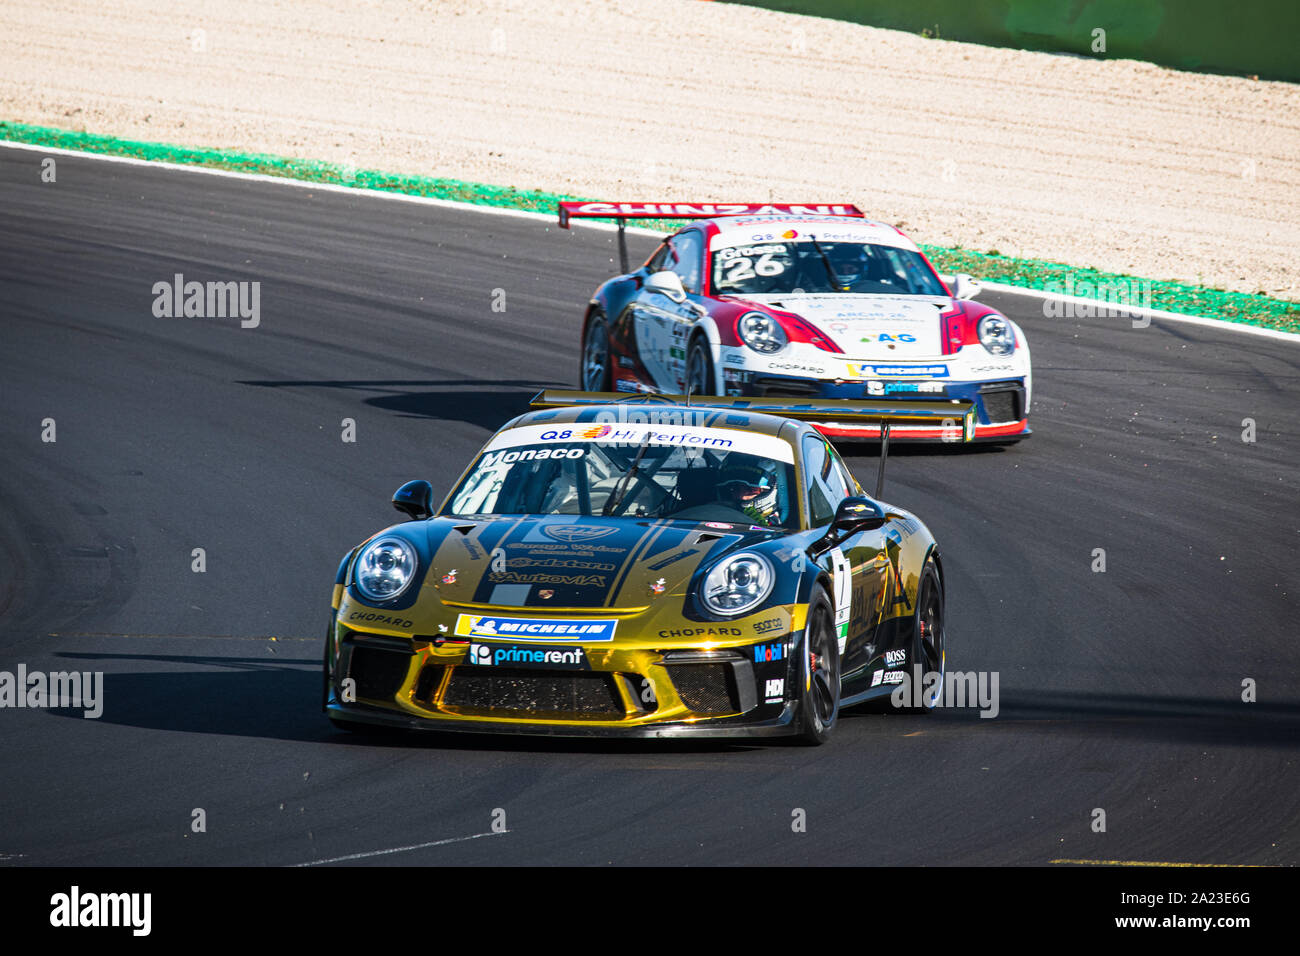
x,y
576,475
808,265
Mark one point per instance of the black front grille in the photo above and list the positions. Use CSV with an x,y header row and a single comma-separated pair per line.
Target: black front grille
x,y
428,683
641,692
379,672
1003,405
706,688
784,387
503,691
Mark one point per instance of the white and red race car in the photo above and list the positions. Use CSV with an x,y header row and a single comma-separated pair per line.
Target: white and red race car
x,y
800,301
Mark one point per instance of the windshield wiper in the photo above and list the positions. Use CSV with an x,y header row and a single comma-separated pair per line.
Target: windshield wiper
x,y
830,270
616,497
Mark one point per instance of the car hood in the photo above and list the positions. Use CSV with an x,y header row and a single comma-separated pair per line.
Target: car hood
x,y
561,561
893,328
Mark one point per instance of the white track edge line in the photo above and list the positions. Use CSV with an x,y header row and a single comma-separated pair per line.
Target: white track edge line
x,y
399,849
550,218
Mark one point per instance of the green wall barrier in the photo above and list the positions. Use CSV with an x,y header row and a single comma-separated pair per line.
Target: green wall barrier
x,y
1253,37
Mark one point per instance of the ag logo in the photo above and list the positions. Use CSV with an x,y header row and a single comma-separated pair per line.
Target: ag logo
x,y
480,654
875,388
571,533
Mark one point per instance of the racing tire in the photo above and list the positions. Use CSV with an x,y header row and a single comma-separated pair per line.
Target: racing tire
x,y
699,368
928,636
325,672
819,672
595,371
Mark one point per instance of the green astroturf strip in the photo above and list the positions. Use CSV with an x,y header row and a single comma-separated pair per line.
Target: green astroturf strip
x,y
1246,308
1250,309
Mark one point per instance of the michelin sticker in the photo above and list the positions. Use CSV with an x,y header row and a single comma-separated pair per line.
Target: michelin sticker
x,y
867,369
533,630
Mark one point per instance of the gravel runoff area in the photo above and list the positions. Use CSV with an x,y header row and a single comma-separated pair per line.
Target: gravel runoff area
x,y
1118,165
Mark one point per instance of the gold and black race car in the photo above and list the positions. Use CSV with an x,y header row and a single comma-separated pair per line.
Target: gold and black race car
x,y
644,566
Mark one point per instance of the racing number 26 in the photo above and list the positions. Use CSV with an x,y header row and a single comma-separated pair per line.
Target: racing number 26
x,y
746,268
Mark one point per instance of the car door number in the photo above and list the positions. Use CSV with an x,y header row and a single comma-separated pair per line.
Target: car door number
x,y
843,583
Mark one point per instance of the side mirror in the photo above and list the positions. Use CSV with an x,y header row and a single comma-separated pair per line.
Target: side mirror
x,y
667,283
414,499
857,514
965,287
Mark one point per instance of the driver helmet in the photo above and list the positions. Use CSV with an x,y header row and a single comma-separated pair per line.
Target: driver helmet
x,y
848,261
748,488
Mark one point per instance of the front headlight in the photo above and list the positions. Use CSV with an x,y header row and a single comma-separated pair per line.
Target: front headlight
x,y
384,569
738,584
996,335
761,332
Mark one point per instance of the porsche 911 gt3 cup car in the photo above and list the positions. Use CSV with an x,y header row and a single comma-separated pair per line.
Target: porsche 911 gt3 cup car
x,y
808,301
625,565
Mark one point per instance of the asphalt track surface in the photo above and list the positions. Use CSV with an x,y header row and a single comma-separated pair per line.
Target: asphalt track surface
x,y
1118,690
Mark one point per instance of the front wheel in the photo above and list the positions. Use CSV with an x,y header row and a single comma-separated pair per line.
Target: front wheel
x,y
819,672
699,369
596,374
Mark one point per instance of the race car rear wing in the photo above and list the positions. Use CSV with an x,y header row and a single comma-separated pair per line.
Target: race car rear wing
x,y
621,212
825,411
938,412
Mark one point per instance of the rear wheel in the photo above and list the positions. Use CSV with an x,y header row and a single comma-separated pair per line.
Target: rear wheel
x,y
819,672
596,374
928,639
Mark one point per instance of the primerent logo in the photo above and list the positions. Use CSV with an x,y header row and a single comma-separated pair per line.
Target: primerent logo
x,y
563,657
79,690
77,909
